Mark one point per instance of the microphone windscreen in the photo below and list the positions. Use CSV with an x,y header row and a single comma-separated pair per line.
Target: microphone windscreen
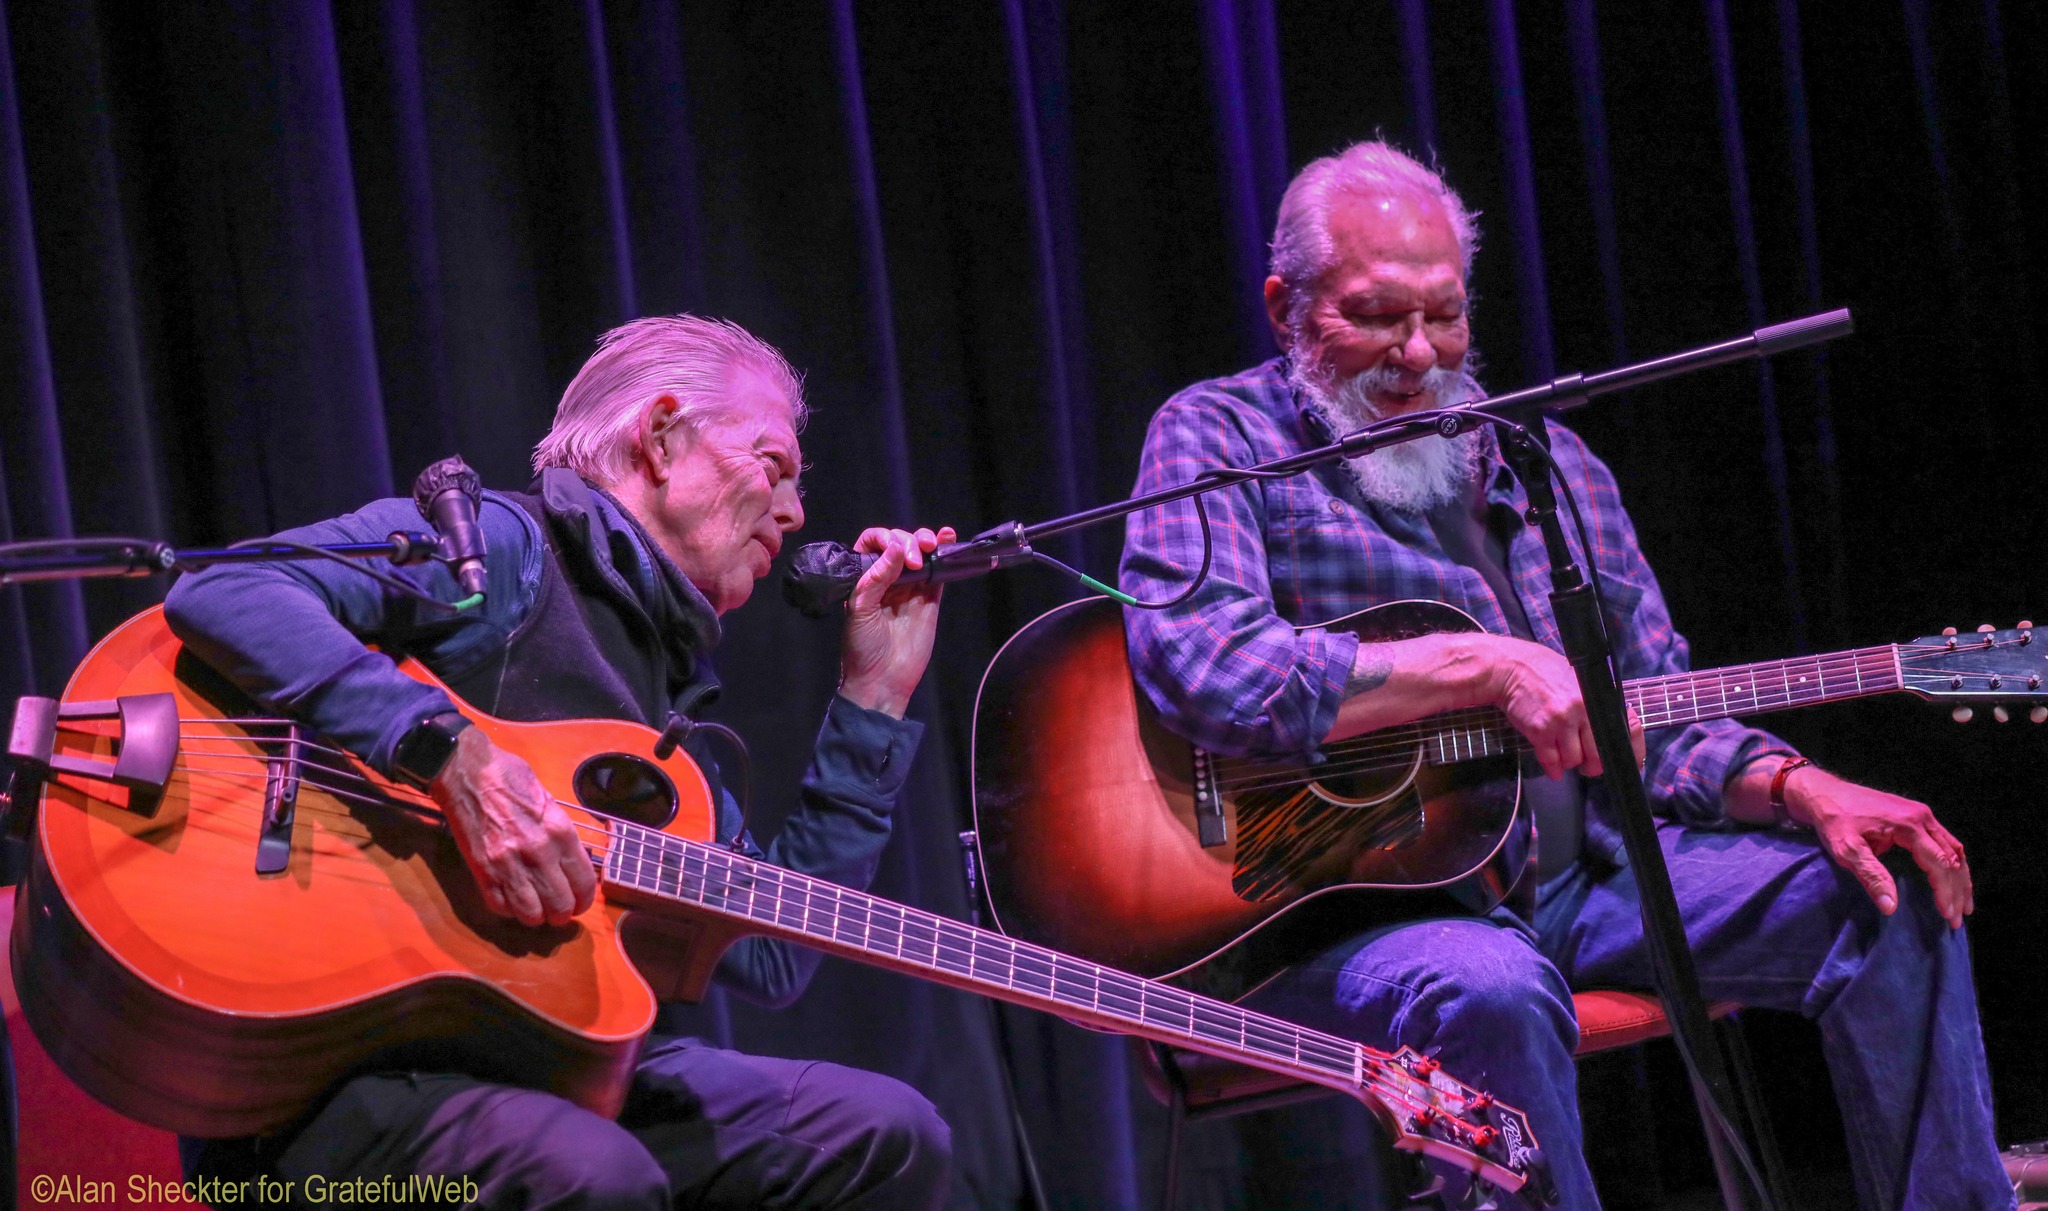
x,y
821,575
450,472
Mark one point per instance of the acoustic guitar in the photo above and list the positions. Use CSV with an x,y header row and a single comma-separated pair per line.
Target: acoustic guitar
x,y
1111,838
224,916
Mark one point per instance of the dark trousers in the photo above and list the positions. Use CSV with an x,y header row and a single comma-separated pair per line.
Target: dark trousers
x,y
703,1127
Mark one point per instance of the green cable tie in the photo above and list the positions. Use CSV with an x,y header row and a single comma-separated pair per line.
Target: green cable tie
x,y
474,599
1115,594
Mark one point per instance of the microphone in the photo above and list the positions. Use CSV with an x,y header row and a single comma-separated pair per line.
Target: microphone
x,y
448,494
822,574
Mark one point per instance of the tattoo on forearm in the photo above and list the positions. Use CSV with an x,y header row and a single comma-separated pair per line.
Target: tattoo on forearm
x,y
1368,672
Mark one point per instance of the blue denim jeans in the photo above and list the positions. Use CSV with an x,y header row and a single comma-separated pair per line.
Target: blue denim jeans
x,y
1773,924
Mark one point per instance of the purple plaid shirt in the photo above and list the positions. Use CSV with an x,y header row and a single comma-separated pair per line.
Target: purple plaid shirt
x,y
1229,671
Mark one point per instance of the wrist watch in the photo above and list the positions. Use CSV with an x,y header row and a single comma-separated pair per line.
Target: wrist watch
x,y
423,751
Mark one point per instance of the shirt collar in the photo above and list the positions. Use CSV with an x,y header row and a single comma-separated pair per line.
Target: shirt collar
x,y
621,550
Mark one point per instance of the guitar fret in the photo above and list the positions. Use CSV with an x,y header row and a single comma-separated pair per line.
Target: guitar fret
x,y
738,885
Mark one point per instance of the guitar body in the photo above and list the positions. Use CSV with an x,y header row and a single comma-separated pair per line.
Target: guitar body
x,y
180,987
224,918
1086,808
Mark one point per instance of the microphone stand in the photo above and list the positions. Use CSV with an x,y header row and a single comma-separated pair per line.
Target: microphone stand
x,y
1581,631
82,558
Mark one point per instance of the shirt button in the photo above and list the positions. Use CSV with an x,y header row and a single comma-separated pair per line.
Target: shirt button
x,y
1336,506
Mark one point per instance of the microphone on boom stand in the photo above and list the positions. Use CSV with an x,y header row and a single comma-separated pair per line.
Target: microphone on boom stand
x,y
822,574
448,494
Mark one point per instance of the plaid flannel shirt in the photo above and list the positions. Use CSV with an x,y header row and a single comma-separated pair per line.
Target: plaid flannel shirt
x,y
1228,669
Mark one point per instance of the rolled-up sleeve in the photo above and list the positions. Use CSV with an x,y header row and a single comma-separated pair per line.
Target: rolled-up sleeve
x,y
1223,669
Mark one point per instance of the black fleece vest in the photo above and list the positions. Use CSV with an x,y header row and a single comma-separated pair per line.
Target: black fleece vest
x,y
586,649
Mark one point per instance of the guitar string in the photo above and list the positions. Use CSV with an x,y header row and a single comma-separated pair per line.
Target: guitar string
x,y
1495,737
1346,1051
902,933
1829,664
1832,663
1113,984
1784,695
1336,1056
1635,689
1112,997
1189,1004
1395,747
1484,719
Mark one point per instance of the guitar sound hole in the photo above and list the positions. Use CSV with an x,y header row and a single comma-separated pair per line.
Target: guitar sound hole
x,y
631,788
1354,781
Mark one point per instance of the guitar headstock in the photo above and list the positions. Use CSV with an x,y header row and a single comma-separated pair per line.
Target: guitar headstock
x,y
1987,666
1435,1114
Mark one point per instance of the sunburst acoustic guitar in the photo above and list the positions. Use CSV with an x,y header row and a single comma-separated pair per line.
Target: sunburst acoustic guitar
x,y
223,916
1105,835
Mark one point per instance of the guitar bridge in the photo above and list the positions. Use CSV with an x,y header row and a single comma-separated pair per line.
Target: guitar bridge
x,y
1210,826
280,804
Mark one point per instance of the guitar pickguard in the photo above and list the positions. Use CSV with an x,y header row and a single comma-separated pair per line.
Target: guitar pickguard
x,y
1286,838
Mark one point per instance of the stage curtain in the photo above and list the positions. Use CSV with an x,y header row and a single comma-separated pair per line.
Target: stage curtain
x,y
262,260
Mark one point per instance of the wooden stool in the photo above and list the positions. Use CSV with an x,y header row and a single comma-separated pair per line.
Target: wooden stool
x,y
1195,1086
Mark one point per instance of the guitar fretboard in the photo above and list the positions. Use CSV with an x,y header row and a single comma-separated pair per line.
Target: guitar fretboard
x,y
773,900
1680,698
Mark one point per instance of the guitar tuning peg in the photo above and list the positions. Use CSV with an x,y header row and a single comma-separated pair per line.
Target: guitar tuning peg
x,y
2001,714
1986,627
2025,625
1962,714
1948,630
2039,714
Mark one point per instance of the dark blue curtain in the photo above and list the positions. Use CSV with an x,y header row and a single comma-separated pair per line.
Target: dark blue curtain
x,y
261,260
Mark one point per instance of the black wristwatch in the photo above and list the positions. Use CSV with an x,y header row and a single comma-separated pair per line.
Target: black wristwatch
x,y
425,750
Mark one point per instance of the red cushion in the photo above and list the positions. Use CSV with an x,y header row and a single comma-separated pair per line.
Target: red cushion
x,y
1612,1018
64,1131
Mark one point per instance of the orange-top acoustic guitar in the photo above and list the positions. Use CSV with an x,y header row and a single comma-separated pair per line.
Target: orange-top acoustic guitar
x,y
223,917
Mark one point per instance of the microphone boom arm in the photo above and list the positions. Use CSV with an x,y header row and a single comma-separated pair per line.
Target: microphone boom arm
x,y
817,582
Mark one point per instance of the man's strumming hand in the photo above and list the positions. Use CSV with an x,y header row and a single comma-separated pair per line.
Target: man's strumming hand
x,y
528,860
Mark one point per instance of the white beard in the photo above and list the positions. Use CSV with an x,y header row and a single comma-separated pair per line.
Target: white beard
x,y
1414,477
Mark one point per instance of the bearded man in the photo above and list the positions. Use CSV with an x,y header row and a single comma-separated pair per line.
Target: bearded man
x,y
1776,862
665,489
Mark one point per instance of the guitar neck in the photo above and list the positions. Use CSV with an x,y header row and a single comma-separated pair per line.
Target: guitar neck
x,y
1770,685
1680,698
775,901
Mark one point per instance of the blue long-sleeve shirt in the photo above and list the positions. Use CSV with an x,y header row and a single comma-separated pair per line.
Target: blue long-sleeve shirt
x,y
295,637
1230,671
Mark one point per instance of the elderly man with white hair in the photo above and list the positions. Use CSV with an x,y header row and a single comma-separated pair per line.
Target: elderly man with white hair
x,y
1790,897
664,490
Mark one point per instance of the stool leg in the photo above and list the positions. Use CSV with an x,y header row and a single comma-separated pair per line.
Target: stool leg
x,y
1768,1158
1176,1118
1727,1170
1177,1112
